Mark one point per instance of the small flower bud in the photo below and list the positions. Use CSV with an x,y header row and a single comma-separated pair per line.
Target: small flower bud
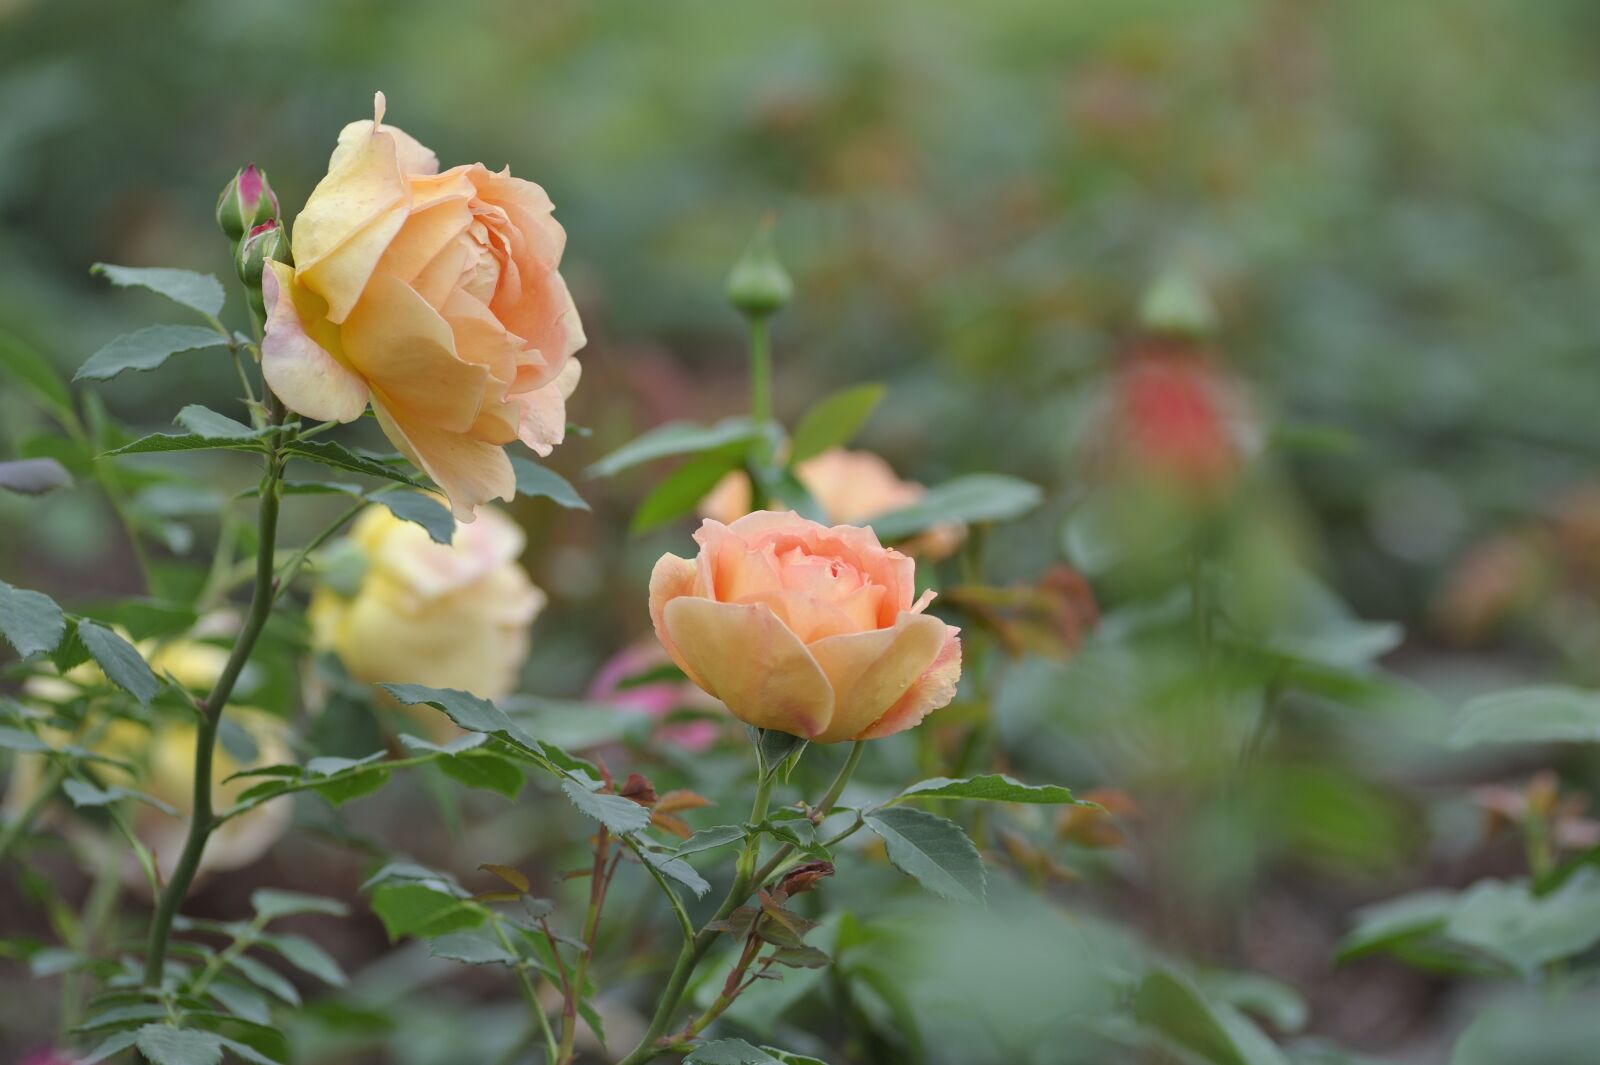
x,y
246,202
266,241
1177,306
759,285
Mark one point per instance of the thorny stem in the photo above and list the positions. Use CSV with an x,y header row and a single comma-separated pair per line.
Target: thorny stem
x,y
746,879
599,880
532,995
201,822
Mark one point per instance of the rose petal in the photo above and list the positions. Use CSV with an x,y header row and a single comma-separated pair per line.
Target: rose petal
x,y
871,671
747,658
302,373
672,577
469,471
407,353
934,689
543,419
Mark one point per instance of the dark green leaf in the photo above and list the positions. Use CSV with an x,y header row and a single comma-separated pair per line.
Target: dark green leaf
x,y
1545,714
789,1058
534,480
146,349
13,739
977,497
729,1052
306,956
121,1017
620,815
485,771
416,909
480,715
674,438
120,660
1384,925
774,748
674,868
247,1052
338,457
931,850
1174,1007
199,292
164,1045
710,838
271,904
203,421
37,374
266,978
473,948
34,477
157,443
1509,922
353,785
834,421
991,787
112,1046
682,489
421,510
30,621
242,1002
82,793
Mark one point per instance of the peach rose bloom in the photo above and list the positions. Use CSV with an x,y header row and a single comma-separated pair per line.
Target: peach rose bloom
x,y
852,488
448,616
436,297
805,629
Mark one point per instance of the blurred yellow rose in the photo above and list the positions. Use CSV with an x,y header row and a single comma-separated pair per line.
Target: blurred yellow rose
x,y
435,296
453,616
852,488
161,751
812,631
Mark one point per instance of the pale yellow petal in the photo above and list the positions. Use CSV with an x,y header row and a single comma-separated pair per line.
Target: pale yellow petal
x,y
872,671
469,471
299,370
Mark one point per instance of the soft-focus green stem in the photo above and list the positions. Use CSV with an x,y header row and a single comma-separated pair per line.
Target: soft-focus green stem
x,y
201,822
760,371
746,879
19,825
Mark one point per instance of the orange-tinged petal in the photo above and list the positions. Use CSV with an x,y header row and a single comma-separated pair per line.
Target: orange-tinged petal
x,y
425,234
479,336
935,688
413,157
871,671
672,577
299,369
543,422
469,471
745,656
407,353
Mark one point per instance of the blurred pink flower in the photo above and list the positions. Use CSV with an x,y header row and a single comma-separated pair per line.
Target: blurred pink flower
x,y
47,1056
656,699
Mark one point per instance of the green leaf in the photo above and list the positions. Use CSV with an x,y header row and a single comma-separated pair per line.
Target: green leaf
x,y
931,850
684,487
485,771
415,909
306,956
1544,714
536,481
1272,1000
789,1058
146,349
82,793
247,1052
774,748
674,438
157,443
38,375
620,815
834,421
675,868
164,1045
421,510
203,421
271,904
121,1017
480,715
977,497
1174,1006
1509,922
991,787
112,1046
199,292
266,978
730,1052
242,1002
14,739
119,660
710,838
472,948
30,621
34,477
338,457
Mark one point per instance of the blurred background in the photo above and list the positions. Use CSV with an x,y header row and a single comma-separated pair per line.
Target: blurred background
x,y
1390,208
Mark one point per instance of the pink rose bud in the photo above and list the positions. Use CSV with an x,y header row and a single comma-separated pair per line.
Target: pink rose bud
x,y
759,285
808,630
246,202
265,243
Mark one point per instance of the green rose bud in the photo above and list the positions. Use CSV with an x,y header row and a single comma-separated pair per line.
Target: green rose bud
x,y
759,285
246,202
1177,306
265,241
